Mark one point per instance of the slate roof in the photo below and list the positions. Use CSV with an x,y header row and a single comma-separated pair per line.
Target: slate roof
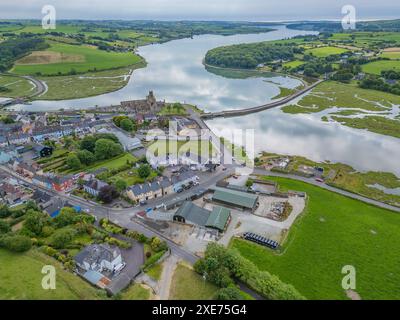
x,y
96,253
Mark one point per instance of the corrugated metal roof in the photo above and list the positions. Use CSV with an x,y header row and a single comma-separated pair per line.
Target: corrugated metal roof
x,y
193,214
235,197
218,218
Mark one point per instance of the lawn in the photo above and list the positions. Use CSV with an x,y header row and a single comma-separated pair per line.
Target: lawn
x,y
162,147
335,231
21,278
188,285
135,292
113,163
323,52
18,87
155,271
63,58
377,67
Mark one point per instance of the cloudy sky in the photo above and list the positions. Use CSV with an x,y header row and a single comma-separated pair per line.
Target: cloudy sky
x,y
255,10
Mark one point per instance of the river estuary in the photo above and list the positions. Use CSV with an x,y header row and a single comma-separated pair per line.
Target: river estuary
x,y
175,72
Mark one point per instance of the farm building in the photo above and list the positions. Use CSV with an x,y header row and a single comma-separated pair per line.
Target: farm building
x,y
189,213
235,198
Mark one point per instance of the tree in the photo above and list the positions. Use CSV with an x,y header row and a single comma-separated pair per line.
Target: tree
x,y
86,157
4,227
107,194
5,211
35,221
66,217
144,171
106,149
16,243
31,205
121,185
73,162
230,293
88,143
127,124
61,238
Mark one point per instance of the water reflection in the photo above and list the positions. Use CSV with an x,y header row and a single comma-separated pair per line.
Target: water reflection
x,y
308,136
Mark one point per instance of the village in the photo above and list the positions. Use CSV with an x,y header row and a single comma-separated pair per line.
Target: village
x,y
151,166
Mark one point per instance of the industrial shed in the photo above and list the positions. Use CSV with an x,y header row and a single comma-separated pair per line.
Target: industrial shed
x,y
189,213
235,198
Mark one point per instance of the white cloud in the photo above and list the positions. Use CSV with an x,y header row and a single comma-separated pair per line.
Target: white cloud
x,y
198,9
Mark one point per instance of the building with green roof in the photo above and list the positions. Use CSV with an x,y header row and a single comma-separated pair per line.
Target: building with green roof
x,y
219,218
189,213
235,198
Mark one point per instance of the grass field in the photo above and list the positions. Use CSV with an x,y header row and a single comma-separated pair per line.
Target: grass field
x,y
18,87
293,64
155,271
323,52
162,147
21,278
391,54
330,94
135,292
188,285
335,231
85,59
377,67
375,124
86,85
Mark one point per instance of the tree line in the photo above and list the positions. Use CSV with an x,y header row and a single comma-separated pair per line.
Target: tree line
x,y
248,56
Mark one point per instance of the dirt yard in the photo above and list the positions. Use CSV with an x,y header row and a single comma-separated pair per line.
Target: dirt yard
x,y
47,57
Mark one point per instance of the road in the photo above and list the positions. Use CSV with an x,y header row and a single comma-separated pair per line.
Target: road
x,y
274,104
330,188
40,86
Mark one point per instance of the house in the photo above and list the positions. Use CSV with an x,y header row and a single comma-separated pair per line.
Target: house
x,y
62,183
7,154
19,138
26,169
217,219
12,194
3,142
43,151
94,186
235,198
99,258
146,191
42,181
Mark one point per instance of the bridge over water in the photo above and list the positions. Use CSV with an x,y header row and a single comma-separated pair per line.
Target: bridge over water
x,y
246,111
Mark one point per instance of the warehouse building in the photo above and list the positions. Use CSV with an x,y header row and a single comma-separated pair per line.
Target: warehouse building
x,y
189,213
235,198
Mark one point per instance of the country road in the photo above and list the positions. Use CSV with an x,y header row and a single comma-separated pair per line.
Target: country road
x,y
39,84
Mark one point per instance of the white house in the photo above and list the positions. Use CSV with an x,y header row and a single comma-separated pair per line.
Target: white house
x,y
100,257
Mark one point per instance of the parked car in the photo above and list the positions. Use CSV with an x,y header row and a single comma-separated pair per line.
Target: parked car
x,y
143,203
319,180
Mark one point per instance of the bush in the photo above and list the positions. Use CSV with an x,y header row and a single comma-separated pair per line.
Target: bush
x,y
61,238
231,293
221,265
4,227
16,243
5,212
